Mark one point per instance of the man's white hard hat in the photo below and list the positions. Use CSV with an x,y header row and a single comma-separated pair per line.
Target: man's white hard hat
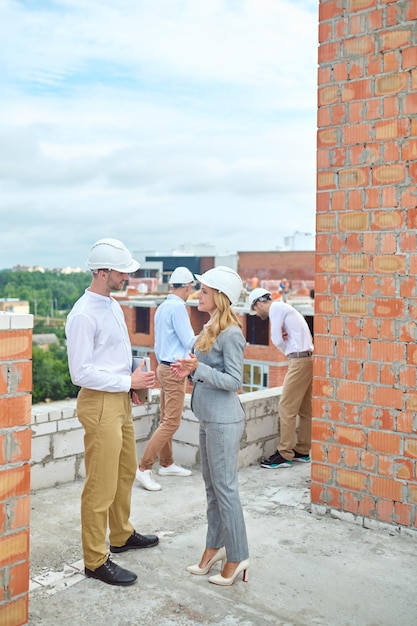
x,y
111,254
255,295
181,276
223,279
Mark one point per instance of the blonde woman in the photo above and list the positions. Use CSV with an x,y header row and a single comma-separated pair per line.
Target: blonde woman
x,y
216,369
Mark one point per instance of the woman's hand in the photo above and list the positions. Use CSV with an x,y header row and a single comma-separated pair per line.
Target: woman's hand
x,y
184,367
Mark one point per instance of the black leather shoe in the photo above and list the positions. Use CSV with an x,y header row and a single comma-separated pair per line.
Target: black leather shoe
x,y
112,574
137,541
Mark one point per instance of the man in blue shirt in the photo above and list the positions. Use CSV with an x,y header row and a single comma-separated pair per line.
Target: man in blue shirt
x,y
174,338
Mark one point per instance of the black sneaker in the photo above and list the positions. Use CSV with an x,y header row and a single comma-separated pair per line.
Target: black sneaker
x,y
112,574
301,458
137,541
276,461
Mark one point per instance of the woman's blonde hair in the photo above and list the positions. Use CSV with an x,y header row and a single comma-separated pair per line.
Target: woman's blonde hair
x,y
222,318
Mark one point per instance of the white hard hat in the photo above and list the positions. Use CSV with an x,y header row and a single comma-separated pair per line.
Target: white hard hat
x,y
181,276
255,295
111,254
225,280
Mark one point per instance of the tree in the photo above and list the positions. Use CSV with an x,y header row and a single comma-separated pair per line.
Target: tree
x,y
51,378
47,292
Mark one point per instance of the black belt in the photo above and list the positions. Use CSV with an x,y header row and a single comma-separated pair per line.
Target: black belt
x,y
299,355
168,363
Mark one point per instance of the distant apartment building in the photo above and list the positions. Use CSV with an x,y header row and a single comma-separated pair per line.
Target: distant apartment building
x,y
14,305
297,266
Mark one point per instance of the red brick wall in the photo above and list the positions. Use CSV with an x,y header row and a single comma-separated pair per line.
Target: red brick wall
x,y
294,265
15,451
365,398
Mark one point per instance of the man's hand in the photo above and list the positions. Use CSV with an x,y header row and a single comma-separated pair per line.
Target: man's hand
x,y
141,379
135,397
284,335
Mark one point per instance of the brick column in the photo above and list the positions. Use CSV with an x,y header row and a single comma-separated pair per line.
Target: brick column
x,y
15,448
365,388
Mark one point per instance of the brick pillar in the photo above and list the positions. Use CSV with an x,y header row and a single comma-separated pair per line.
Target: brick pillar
x,y
365,388
15,448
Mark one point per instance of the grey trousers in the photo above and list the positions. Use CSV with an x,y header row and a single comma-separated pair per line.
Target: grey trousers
x,y
219,448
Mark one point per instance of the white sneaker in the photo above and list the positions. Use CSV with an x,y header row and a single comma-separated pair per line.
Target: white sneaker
x,y
147,480
174,470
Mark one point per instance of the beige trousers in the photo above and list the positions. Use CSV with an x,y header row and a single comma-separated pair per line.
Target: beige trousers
x,y
296,401
172,403
110,466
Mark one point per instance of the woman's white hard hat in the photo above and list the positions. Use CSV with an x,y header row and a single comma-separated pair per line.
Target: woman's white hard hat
x,y
111,254
223,279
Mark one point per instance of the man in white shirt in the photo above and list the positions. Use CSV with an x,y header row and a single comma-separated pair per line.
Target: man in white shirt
x,y
174,338
290,334
100,362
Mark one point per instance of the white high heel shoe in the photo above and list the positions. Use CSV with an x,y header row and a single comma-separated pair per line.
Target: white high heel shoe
x,y
200,571
218,579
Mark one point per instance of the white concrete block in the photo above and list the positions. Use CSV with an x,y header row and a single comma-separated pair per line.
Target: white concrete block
x,y
143,427
68,443
53,473
4,320
55,415
41,448
188,433
40,418
69,424
48,428
187,414
185,455
250,455
80,469
261,428
140,448
21,321
270,446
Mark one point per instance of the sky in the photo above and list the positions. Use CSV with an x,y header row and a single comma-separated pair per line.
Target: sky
x,y
163,123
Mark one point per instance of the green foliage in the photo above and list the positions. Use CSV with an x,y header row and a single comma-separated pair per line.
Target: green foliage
x,y
51,378
49,293
41,327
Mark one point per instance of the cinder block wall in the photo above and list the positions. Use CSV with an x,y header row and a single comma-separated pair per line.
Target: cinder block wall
x,y
57,436
365,392
15,450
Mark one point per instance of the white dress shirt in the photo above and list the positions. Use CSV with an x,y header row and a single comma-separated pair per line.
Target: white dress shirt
x,y
283,316
98,344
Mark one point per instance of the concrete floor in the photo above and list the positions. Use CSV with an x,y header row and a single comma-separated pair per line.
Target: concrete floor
x,y
304,570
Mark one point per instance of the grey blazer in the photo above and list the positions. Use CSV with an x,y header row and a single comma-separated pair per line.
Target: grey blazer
x,y
218,378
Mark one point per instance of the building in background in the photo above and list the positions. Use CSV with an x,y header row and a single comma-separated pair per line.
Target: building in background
x,y
264,365
14,305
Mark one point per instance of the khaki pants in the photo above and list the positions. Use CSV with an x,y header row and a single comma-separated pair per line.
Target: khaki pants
x,y
110,465
172,403
296,400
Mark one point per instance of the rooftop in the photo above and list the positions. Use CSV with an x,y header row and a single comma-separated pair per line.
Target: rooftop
x,y
305,569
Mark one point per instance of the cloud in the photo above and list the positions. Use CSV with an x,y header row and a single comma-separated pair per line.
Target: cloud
x,y
171,114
